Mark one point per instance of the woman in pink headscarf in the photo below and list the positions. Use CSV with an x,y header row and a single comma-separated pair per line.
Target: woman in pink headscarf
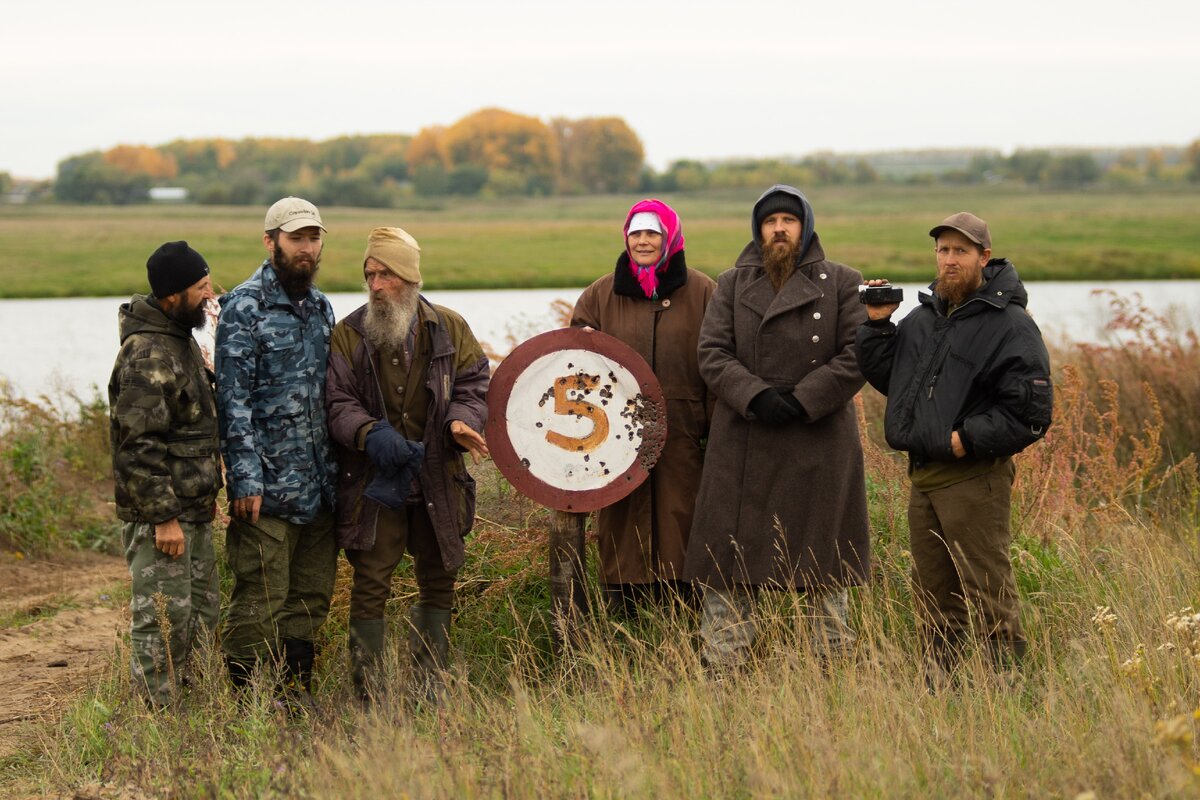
x,y
654,303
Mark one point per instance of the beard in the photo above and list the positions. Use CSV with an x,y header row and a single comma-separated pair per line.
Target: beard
x,y
954,290
295,274
779,260
390,318
194,318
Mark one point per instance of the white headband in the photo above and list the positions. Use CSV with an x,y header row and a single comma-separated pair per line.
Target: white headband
x,y
645,221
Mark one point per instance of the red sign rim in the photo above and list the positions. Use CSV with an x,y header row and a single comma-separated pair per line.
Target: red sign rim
x,y
505,456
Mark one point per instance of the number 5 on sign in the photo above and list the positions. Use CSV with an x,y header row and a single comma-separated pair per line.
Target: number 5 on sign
x,y
576,419
581,385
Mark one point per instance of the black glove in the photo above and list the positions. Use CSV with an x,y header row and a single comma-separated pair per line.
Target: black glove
x,y
770,407
387,449
786,393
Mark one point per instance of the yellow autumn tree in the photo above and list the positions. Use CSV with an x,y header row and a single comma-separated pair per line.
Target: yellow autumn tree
x,y
141,160
599,154
517,151
427,148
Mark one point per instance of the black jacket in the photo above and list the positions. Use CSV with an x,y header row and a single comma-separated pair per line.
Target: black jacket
x,y
983,371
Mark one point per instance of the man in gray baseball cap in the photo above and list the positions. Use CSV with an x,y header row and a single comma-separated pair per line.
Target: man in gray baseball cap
x,y
967,379
271,353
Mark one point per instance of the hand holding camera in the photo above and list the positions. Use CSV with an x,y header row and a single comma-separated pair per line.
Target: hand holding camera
x,y
880,298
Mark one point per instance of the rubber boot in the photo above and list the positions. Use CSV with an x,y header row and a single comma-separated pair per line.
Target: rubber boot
x,y
1006,654
366,653
620,599
429,645
240,673
298,657
942,656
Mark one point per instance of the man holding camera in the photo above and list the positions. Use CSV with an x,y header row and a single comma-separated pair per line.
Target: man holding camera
x,y
782,501
967,379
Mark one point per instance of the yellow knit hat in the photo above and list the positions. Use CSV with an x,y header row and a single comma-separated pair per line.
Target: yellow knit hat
x,y
397,251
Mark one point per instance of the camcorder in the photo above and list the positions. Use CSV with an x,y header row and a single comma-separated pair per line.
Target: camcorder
x,y
880,295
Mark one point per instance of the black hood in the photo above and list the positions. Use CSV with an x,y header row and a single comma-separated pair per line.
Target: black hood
x,y
143,315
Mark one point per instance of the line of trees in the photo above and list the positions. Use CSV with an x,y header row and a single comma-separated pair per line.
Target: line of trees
x,y
491,152
496,153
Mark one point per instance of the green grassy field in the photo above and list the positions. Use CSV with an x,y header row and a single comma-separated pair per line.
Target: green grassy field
x,y
59,251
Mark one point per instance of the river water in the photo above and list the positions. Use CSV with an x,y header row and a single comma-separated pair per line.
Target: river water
x,y
64,347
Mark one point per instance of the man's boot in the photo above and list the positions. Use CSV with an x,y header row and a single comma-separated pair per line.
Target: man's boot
x,y
366,653
240,672
942,656
429,644
298,657
1006,654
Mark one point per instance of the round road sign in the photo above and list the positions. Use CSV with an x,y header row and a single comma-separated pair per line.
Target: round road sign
x,y
576,419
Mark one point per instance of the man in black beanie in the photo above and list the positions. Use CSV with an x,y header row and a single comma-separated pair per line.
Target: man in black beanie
x,y
782,501
166,467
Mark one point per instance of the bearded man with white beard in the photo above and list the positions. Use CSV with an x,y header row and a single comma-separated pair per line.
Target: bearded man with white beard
x,y
406,396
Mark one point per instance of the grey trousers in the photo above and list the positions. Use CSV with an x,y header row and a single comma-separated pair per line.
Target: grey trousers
x,y
728,628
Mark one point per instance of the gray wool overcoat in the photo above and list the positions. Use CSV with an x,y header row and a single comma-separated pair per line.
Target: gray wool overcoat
x,y
782,506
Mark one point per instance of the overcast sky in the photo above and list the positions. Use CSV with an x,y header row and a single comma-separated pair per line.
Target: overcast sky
x,y
695,80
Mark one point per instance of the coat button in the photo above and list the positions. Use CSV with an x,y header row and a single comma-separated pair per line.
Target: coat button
x,y
817,315
666,303
405,415
816,338
399,390
395,362
822,276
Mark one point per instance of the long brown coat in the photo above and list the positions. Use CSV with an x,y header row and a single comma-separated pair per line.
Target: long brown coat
x,y
783,506
644,537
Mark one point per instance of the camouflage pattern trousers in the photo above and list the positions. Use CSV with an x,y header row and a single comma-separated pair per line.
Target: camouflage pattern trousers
x,y
283,574
727,626
174,604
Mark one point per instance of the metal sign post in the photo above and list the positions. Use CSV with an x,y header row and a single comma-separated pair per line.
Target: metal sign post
x,y
576,420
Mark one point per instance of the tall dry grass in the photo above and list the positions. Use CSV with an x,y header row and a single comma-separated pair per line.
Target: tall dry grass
x,y
1106,705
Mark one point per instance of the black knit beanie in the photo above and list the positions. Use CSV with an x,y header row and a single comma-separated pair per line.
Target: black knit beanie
x,y
779,202
174,267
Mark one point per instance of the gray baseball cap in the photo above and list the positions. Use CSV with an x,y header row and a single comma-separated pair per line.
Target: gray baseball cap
x,y
292,214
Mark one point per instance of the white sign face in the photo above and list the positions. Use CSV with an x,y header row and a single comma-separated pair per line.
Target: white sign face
x,y
575,419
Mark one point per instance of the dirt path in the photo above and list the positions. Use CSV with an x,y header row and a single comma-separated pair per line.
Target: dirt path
x,y
44,662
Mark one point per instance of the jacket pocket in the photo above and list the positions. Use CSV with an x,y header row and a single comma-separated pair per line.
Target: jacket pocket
x,y
281,359
1039,404
465,485
192,464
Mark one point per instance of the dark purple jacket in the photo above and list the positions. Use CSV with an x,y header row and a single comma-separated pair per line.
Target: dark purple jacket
x,y
458,382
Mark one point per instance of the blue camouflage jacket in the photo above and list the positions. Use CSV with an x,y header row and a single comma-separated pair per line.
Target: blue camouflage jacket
x,y
270,364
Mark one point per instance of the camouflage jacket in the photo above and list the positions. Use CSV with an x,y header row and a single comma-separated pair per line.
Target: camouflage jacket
x,y
163,420
271,361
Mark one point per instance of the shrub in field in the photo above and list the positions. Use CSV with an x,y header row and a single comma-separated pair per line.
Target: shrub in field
x,y
1152,363
55,476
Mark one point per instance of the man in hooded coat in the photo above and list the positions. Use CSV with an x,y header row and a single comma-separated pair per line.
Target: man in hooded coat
x,y
782,500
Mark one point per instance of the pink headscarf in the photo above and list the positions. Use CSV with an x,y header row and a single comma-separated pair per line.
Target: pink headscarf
x,y
647,277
